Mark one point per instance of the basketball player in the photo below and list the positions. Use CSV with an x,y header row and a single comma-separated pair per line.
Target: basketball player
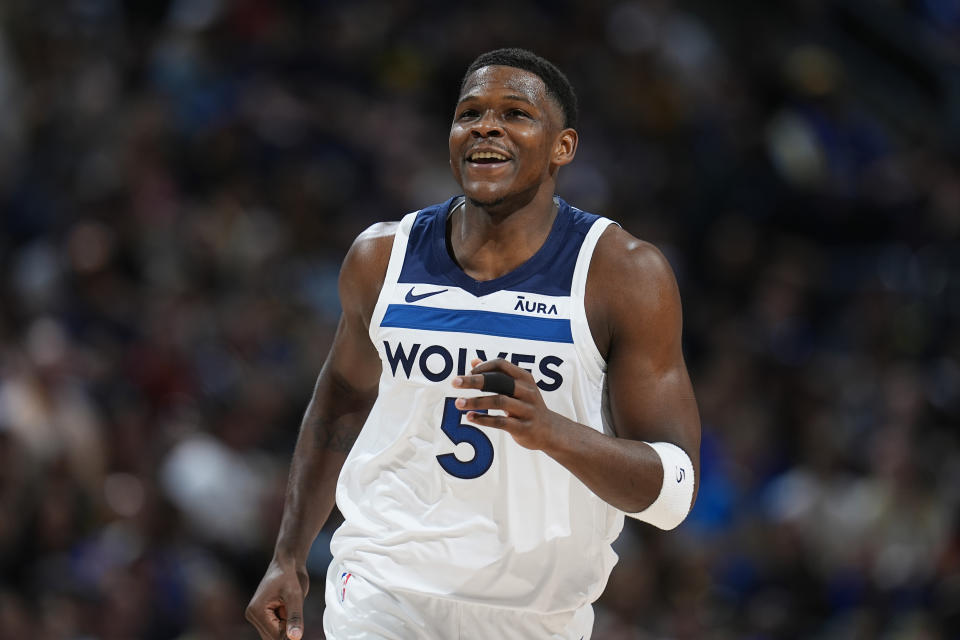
x,y
471,514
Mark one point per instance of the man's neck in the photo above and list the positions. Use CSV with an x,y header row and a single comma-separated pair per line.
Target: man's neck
x,y
488,243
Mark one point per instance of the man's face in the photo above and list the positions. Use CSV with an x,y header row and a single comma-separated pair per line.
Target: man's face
x,y
504,136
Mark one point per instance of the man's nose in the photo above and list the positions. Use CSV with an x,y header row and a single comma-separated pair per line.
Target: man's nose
x,y
487,127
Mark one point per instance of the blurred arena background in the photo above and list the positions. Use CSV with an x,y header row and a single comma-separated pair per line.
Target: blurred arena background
x,y
179,180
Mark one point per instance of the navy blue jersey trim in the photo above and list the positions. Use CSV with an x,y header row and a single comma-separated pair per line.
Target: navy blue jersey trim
x,y
487,323
548,272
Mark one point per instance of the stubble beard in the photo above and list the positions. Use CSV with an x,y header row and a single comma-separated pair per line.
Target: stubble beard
x,y
485,205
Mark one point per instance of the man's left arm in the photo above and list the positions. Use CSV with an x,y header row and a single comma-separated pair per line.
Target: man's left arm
x,y
650,468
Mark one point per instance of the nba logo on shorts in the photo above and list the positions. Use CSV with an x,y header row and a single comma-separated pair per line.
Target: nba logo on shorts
x,y
344,577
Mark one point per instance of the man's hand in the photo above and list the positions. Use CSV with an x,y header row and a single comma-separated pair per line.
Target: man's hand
x,y
276,609
527,417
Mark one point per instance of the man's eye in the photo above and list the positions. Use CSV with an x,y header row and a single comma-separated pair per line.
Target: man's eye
x,y
518,113
468,113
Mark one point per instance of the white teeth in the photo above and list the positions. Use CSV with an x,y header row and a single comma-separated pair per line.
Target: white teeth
x,y
487,155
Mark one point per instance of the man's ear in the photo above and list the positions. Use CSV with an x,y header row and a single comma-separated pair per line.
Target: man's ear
x,y
565,148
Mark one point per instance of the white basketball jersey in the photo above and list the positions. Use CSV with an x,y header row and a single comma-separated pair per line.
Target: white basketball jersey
x,y
436,505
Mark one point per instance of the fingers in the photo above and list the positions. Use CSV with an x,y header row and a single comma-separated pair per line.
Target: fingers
x,y
515,394
295,622
507,423
511,406
480,376
499,364
266,620
279,619
498,382
469,382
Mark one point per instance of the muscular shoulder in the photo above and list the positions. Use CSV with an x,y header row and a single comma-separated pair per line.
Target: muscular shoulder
x,y
630,287
373,244
364,269
629,265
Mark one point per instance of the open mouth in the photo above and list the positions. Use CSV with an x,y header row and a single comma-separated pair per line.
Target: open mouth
x,y
487,157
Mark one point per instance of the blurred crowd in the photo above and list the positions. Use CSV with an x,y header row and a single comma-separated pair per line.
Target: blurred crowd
x,y
179,180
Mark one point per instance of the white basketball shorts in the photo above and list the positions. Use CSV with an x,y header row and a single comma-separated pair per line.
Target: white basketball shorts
x,y
360,610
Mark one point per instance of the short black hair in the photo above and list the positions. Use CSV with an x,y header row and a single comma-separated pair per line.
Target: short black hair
x,y
556,83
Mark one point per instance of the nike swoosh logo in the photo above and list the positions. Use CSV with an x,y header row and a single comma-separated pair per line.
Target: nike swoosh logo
x,y
412,297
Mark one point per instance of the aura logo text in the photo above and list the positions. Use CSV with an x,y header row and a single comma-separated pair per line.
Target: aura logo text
x,y
531,306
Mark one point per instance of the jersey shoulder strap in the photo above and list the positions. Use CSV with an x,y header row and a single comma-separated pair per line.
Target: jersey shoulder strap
x,y
593,227
397,253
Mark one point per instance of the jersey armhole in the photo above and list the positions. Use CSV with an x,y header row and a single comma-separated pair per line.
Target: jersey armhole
x,y
397,253
580,326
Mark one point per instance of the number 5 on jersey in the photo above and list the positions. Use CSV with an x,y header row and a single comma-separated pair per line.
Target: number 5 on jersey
x,y
453,427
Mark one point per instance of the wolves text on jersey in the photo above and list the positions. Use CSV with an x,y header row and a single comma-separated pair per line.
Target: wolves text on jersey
x,y
436,363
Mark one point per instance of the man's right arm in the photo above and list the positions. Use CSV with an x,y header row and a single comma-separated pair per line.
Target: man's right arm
x,y
344,392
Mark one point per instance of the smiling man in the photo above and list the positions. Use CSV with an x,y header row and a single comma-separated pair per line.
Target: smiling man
x,y
505,385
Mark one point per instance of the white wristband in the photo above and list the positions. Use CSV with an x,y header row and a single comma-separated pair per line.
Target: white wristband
x,y
676,493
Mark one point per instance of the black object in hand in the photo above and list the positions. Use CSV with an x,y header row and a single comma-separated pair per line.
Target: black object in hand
x,y
497,382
